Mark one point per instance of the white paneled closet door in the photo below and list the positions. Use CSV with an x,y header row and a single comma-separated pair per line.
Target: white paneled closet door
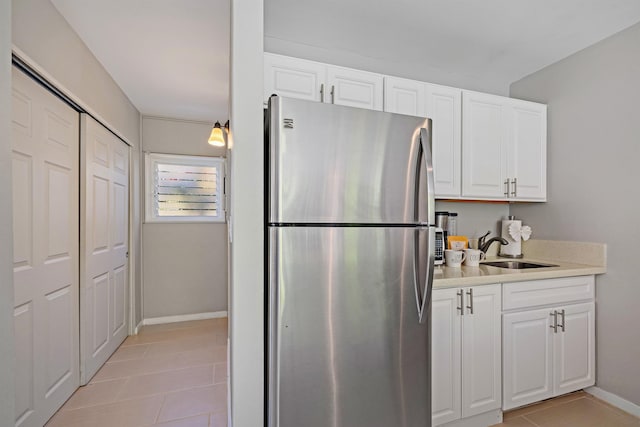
x,y
104,225
45,227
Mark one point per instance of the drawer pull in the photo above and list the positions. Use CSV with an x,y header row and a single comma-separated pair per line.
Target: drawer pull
x,y
555,321
461,306
562,316
470,306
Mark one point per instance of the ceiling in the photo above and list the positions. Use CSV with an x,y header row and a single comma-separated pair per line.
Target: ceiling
x,y
172,57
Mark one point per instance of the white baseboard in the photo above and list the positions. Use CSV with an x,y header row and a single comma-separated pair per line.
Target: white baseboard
x,y
486,419
614,400
137,328
184,318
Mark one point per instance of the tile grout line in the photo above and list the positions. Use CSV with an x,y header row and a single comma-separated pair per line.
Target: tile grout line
x,y
164,400
154,372
529,420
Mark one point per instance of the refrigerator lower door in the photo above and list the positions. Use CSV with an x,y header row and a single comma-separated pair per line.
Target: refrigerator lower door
x,y
346,348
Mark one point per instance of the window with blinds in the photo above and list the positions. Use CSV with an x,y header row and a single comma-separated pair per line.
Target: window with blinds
x,y
184,188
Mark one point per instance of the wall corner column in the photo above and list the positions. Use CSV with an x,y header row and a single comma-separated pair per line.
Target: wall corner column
x,y
246,275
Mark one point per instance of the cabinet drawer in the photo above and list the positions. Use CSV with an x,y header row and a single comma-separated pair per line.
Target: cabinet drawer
x,y
547,292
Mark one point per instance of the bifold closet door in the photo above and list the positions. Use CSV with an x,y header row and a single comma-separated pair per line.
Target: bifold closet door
x,y
104,228
45,143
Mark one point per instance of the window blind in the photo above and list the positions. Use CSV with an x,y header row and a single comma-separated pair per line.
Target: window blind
x,y
184,188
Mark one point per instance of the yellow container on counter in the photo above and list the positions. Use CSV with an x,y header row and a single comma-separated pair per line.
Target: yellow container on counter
x,y
457,243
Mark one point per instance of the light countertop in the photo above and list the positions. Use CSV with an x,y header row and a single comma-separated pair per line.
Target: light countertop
x,y
571,258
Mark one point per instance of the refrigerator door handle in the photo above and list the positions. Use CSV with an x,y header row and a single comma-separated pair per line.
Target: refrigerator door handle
x,y
272,338
425,144
423,293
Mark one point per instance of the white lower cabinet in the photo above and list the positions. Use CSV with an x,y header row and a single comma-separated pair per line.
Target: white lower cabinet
x,y
466,352
548,351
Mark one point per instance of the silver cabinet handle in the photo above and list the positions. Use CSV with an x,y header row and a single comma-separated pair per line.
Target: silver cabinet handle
x,y
555,321
322,92
461,306
506,187
515,187
333,94
562,316
470,306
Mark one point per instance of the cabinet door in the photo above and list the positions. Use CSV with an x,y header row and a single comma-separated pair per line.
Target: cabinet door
x,y
527,357
354,88
528,151
404,96
481,350
445,354
484,145
293,77
444,107
574,349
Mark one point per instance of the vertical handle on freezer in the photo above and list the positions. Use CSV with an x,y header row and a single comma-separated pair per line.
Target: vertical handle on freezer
x,y
425,148
272,327
423,293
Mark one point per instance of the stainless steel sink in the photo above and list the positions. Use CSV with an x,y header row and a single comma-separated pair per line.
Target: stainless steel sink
x,y
517,264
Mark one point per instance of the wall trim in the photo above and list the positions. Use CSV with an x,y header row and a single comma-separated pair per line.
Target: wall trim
x,y
614,400
184,318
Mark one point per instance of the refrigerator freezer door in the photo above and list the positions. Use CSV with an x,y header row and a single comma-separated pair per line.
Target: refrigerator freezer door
x,y
346,347
336,164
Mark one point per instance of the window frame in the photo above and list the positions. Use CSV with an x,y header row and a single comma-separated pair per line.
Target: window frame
x,y
151,159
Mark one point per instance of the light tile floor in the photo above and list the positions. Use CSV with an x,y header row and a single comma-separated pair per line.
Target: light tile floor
x,y
172,375
175,375
578,409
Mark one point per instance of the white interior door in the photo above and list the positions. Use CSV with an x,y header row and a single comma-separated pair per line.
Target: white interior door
x,y
45,228
104,225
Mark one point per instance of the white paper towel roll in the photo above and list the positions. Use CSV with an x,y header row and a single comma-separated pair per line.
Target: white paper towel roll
x,y
514,248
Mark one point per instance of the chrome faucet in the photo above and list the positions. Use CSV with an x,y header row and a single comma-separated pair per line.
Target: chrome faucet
x,y
484,246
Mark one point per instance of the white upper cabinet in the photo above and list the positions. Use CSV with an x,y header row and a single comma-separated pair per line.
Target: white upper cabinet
x,y
404,96
528,166
442,104
354,88
484,146
293,77
314,81
504,154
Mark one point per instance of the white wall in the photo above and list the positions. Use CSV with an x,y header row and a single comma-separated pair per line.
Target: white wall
x,y
6,229
185,265
40,32
246,303
593,177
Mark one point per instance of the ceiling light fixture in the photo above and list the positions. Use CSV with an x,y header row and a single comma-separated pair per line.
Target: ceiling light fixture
x,y
217,136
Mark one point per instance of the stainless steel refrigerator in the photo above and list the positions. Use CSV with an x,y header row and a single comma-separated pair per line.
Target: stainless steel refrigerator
x,y
350,220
